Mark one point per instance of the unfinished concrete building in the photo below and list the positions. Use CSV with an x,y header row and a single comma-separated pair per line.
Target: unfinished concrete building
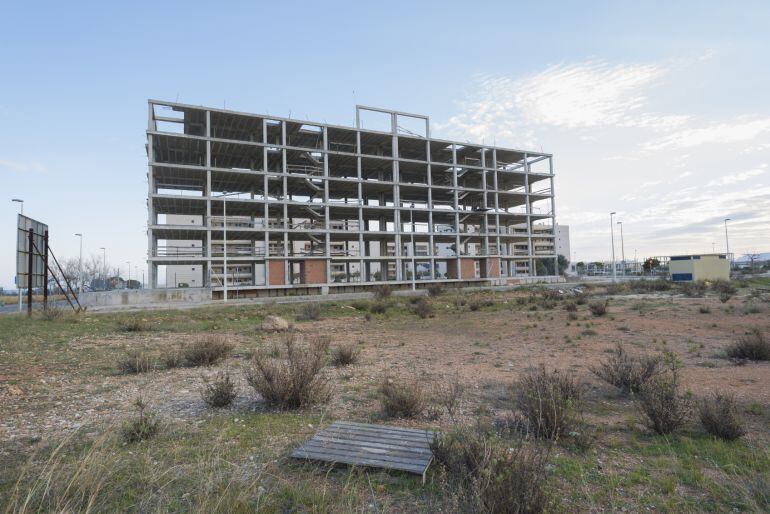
x,y
262,205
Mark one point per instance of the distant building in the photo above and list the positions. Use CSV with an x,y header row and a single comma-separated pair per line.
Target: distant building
x,y
688,268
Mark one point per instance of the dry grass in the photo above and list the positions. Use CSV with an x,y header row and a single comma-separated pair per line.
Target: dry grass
x,y
626,372
310,311
144,426
423,308
753,346
136,361
291,377
551,402
484,474
719,416
401,398
206,351
133,324
345,354
383,291
219,392
664,407
598,308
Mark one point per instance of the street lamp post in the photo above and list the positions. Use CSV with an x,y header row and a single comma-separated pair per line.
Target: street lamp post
x,y
18,286
224,196
622,248
411,229
104,267
727,245
612,236
80,264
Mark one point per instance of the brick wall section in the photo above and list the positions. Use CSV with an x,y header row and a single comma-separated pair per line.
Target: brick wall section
x,y
490,268
467,268
276,272
313,271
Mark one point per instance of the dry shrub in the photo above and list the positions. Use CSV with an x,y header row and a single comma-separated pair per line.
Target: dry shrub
x,y
719,416
435,290
449,394
133,324
423,308
136,361
617,288
570,307
173,358
206,350
551,403
360,305
401,399
291,377
345,354
723,287
378,307
664,407
143,426
704,309
626,372
383,291
219,392
752,346
693,289
474,305
310,312
481,473
648,286
50,313
598,308
581,298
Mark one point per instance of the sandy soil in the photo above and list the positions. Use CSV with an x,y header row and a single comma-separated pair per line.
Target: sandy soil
x,y
486,350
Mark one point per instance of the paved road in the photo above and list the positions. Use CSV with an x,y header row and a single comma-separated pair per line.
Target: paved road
x,y
14,307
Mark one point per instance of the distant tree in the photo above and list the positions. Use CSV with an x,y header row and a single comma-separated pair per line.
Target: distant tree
x,y
563,264
650,264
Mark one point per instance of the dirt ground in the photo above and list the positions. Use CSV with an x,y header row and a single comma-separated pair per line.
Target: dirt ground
x,y
485,350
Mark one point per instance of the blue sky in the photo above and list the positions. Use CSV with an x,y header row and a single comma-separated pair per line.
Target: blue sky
x,y
660,112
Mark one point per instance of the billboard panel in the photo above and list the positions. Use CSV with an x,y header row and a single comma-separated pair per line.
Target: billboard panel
x,y
23,250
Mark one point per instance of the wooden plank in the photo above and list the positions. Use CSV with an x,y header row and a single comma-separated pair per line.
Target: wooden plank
x,y
374,429
336,448
373,444
423,443
424,437
380,427
363,444
358,461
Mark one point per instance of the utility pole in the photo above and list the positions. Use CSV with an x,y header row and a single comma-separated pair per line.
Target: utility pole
x,y
128,284
80,265
104,267
622,248
612,236
727,245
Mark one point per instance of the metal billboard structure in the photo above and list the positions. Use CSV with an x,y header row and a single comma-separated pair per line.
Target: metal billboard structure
x,y
32,268
30,264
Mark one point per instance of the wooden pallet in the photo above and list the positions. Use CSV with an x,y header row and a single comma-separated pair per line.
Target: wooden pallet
x,y
377,446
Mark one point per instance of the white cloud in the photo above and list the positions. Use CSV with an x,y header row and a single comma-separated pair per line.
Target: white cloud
x,y
617,151
22,167
736,177
737,130
587,94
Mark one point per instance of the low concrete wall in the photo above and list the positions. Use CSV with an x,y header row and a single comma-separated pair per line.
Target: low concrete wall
x,y
145,297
